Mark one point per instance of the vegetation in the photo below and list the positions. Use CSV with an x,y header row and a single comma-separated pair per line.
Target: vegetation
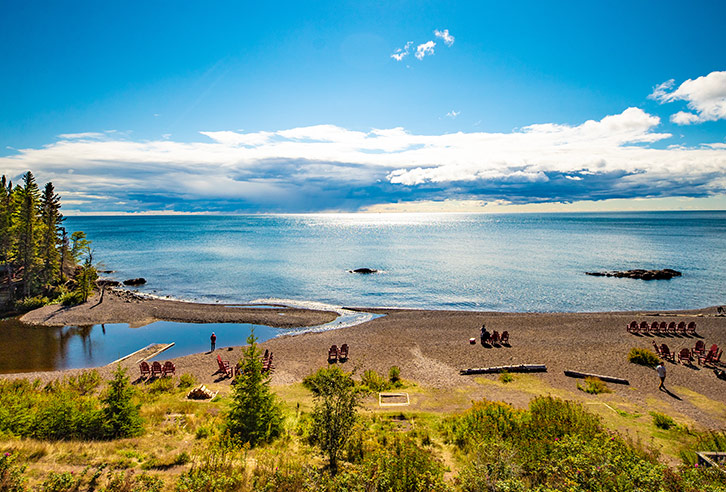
x,y
594,386
662,421
255,414
120,414
36,264
644,357
506,377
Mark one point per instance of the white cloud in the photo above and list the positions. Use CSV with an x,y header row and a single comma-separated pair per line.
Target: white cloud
x,y
424,49
706,97
447,38
453,114
401,53
290,169
85,135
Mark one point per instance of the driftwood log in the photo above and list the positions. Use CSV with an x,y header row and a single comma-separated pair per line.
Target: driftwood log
x,y
497,369
607,379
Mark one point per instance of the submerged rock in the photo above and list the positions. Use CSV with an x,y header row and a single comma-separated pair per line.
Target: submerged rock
x,y
363,270
107,282
135,281
664,274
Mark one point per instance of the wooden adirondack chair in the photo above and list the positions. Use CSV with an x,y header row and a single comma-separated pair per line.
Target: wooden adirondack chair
x,y
156,369
169,368
145,369
632,327
644,327
343,352
672,327
700,348
267,364
681,328
495,337
655,327
691,328
710,357
505,337
333,354
224,367
685,355
663,327
666,353
657,348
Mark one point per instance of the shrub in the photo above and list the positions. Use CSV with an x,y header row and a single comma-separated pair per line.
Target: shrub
x,y
85,383
213,471
187,381
644,357
61,482
662,421
128,482
160,385
594,386
505,377
394,376
30,303
120,414
71,298
11,474
403,467
374,381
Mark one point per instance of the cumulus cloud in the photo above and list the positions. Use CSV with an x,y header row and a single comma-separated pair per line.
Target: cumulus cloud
x,y
424,49
402,53
453,114
327,167
445,36
706,97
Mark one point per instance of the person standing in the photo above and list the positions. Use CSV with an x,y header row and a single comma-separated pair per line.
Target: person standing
x,y
213,339
661,370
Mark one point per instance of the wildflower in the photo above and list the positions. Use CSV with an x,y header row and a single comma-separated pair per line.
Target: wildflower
x,y
7,454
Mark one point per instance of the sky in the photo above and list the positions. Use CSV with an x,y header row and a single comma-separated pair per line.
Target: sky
x,y
294,107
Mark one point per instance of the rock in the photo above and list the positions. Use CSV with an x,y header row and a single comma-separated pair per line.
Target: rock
x,y
665,274
364,271
107,282
135,281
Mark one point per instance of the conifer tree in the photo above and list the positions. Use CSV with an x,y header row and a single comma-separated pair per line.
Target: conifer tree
x,y
27,230
120,415
50,238
7,209
255,415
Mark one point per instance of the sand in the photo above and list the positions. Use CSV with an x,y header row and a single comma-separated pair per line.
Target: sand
x,y
431,347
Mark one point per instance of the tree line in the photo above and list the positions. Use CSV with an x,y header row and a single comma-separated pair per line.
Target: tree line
x,y
39,262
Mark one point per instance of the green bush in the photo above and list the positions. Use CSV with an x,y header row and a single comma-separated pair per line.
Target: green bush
x,y
373,381
30,303
394,376
120,415
11,474
213,471
61,482
71,298
187,381
644,357
86,382
594,386
505,377
662,421
403,467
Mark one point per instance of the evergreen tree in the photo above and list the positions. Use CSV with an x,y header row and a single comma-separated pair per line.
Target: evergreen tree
x,y
120,415
7,209
27,230
50,239
255,415
336,403
80,245
86,278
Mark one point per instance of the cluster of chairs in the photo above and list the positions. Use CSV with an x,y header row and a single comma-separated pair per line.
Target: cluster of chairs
x,y
229,371
156,369
662,328
713,356
496,339
336,354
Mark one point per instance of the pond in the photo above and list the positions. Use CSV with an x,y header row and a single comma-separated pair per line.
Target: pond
x,y
27,348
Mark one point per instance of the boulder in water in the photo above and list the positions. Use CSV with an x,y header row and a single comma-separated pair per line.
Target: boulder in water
x,y
664,274
364,271
135,281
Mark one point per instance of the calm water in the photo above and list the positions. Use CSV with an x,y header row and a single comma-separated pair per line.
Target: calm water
x,y
532,262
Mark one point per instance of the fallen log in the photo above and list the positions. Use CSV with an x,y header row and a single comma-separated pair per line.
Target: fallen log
x,y
607,379
497,369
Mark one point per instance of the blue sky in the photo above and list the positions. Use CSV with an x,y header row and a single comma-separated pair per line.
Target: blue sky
x,y
303,108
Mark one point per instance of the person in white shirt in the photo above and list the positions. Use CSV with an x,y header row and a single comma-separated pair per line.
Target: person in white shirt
x,y
661,370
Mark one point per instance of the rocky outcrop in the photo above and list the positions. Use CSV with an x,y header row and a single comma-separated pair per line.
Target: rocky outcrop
x,y
107,282
364,271
665,274
135,281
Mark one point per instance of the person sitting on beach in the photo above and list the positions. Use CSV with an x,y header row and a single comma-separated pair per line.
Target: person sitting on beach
x,y
484,334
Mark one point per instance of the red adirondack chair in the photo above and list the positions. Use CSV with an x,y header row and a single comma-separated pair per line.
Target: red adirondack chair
x,y
700,348
145,369
672,327
224,367
644,327
632,327
505,337
655,327
685,355
343,352
666,353
656,348
710,357
156,369
267,364
169,368
682,327
333,354
663,327
495,337
691,328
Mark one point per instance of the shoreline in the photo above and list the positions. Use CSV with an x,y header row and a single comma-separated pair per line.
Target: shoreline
x,y
432,346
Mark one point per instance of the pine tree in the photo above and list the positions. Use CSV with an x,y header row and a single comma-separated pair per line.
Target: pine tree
x,y
255,415
50,238
27,230
120,415
7,209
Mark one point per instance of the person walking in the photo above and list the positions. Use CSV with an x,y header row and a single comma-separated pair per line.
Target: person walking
x,y
661,370
213,339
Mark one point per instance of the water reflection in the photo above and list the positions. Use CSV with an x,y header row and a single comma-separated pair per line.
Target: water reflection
x,y
26,348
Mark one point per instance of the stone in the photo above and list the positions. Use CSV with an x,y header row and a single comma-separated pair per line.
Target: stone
x,y
364,271
135,281
664,274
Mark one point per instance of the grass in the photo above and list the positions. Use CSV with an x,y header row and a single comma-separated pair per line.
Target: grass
x,y
594,386
643,357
